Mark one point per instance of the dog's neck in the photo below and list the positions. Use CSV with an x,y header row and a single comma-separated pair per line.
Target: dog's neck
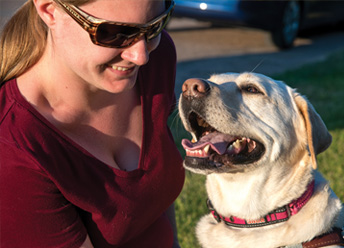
x,y
316,217
277,216
248,196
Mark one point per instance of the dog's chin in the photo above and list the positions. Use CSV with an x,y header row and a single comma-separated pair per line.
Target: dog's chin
x,y
226,163
205,167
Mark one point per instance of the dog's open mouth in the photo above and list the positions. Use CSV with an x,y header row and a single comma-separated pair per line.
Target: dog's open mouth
x,y
216,149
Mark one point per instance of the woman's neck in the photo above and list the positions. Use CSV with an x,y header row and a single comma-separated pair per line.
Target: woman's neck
x,y
72,101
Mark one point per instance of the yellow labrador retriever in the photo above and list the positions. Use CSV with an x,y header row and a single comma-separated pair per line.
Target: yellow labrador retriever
x,y
256,140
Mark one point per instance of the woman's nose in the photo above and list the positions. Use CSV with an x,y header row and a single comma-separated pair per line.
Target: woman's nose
x,y
138,53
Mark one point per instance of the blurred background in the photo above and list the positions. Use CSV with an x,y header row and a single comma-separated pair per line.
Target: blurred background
x,y
234,35
299,42
263,36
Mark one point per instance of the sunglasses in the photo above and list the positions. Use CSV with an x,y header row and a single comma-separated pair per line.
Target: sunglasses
x,y
117,34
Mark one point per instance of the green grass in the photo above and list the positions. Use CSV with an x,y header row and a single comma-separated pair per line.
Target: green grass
x,y
323,84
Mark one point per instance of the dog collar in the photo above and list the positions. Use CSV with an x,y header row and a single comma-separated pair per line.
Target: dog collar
x,y
336,237
279,215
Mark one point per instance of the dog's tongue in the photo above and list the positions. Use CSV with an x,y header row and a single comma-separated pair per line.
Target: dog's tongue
x,y
217,141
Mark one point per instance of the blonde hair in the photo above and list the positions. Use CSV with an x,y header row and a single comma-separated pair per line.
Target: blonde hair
x,y
23,41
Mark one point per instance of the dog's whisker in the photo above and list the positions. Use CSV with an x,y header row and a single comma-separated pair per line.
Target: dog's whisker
x,y
174,118
261,62
176,124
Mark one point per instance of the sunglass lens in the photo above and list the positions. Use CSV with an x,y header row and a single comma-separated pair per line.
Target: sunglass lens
x,y
116,35
157,28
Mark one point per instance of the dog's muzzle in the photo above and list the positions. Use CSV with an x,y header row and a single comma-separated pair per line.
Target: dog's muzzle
x,y
211,150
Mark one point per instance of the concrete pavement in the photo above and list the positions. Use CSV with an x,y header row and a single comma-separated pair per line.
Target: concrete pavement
x,y
268,63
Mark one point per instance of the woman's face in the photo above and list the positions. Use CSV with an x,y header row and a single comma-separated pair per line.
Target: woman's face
x,y
110,69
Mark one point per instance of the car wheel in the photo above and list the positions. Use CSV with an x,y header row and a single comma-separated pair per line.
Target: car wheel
x,y
284,35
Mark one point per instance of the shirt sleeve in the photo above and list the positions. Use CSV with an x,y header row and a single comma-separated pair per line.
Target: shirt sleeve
x,y
34,213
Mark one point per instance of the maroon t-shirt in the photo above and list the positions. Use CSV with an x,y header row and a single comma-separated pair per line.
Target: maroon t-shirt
x,y
54,193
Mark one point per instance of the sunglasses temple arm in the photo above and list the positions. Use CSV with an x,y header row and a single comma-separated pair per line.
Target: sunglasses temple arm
x,y
81,19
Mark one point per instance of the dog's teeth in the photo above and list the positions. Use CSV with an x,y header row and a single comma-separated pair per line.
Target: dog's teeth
x,y
201,122
252,145
206,149
189,153
205,124
230,148
237,144
198,153
194,138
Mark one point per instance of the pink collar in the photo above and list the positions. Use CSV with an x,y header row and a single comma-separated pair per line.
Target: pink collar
x,y
279,215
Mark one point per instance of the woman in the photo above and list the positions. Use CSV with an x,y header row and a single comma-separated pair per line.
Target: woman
x,y
86,157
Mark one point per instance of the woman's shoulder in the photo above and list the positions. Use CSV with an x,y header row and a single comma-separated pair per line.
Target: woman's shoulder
x,y
20,122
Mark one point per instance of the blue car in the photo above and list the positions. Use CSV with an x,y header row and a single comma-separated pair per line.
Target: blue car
x,y
283,18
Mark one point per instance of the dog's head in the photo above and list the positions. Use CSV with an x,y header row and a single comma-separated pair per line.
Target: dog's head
x,y
240,122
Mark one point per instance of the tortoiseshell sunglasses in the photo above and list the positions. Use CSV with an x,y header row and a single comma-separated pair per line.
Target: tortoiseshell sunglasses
x,y
117,34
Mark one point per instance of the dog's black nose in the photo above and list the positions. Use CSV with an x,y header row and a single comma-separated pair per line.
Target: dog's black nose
x,y
195,88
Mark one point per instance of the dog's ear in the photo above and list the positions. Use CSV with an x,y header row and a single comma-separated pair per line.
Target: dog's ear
x,y
318,137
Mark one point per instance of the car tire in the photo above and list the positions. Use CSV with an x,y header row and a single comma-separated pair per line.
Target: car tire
x,y
285,33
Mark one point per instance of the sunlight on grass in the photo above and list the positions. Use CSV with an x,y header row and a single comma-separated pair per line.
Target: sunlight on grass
x,y
331,163
323,84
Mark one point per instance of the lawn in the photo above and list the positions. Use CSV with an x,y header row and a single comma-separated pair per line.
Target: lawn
x,y
323,84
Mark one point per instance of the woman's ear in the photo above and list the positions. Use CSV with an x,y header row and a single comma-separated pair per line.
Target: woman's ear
x,y
46,9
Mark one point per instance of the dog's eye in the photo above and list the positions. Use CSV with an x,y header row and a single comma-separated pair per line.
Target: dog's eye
x,y
251,89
